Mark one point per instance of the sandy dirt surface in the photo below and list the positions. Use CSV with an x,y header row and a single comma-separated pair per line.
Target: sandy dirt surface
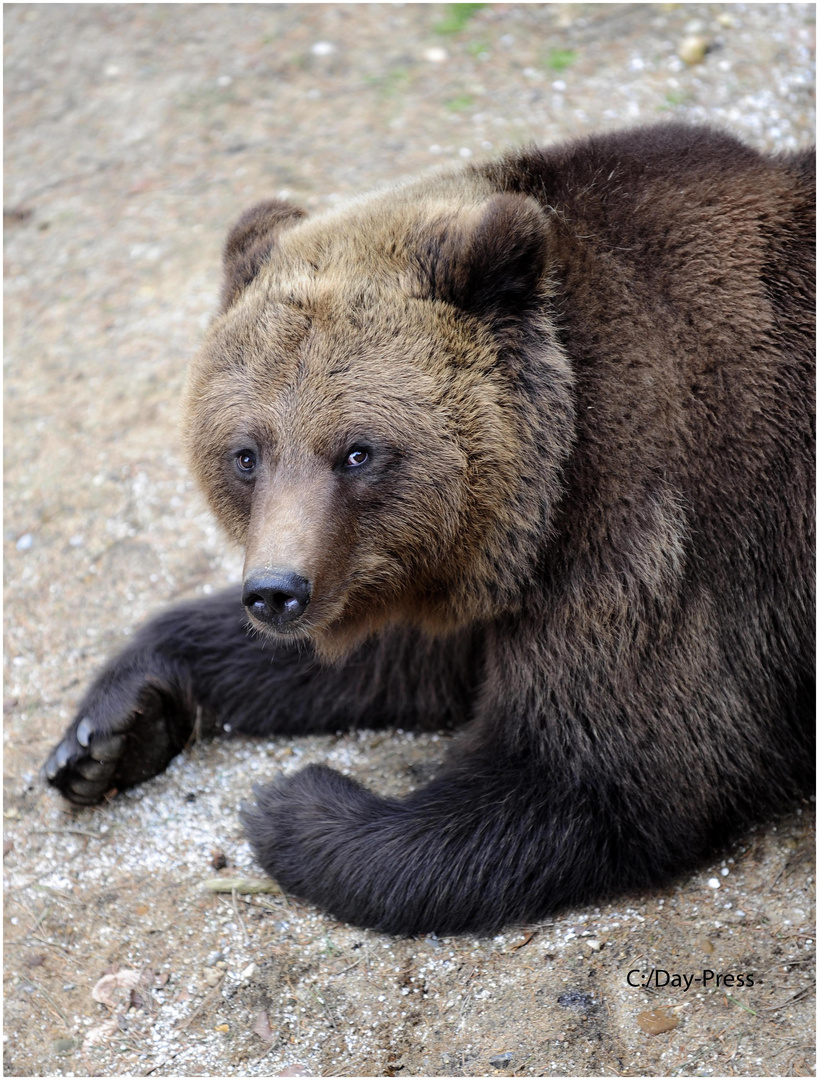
x,y
134,135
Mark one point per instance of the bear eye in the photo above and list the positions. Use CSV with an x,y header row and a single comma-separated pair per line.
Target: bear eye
x,y
356,457
245,461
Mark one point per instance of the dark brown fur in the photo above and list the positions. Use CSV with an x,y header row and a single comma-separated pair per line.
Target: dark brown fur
x,y
582,381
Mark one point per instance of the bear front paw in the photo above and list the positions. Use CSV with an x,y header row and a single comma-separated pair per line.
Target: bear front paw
x,y
119,740
302,825
84,763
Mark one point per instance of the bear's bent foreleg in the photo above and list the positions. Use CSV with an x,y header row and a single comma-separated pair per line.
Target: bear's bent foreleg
x,y
484,845
142,707
197,669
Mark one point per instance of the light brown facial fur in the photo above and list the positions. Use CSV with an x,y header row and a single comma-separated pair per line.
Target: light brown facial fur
x,y
338,345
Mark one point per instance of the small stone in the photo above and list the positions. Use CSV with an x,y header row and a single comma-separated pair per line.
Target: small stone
x,y
63,1046
213,958
656,1021
322,48
436,55
706,947
25,543
501,1061
248,973
576,999
224,1028
212,976
693,50
725,871
713,883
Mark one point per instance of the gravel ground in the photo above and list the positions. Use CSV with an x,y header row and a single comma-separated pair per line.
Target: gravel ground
x,y
134,135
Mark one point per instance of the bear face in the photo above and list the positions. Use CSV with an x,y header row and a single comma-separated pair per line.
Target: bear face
x,y
361,422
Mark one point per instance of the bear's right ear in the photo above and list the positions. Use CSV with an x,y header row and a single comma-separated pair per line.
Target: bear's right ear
x,y
250,243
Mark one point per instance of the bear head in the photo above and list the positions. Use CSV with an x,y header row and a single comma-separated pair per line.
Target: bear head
x,y
380,413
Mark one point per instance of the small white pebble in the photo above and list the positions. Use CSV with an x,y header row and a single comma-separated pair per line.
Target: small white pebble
x,y
224,80
465,152
725,871
559,85
25,542
322,48
436,55
713,883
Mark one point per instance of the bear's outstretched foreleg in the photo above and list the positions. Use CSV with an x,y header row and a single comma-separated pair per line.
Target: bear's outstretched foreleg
x,y
484,845
197,669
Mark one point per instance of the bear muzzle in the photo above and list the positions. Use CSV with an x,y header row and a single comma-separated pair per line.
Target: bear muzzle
x,y
276,597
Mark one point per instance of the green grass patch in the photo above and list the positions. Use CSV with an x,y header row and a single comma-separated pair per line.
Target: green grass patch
x,y
390,83
478,48
462,101
456,17
674,98
560,59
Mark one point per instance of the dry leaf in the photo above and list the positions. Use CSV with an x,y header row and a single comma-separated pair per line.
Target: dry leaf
x,y
106,990
262,1028
657,1021
100,1032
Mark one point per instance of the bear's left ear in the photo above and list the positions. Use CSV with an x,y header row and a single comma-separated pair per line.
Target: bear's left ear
x,y
250,243
489,261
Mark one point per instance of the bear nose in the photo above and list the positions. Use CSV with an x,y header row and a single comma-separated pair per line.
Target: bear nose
x,y
276,597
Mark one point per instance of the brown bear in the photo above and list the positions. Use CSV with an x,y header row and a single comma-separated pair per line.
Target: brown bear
x,y
526,445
